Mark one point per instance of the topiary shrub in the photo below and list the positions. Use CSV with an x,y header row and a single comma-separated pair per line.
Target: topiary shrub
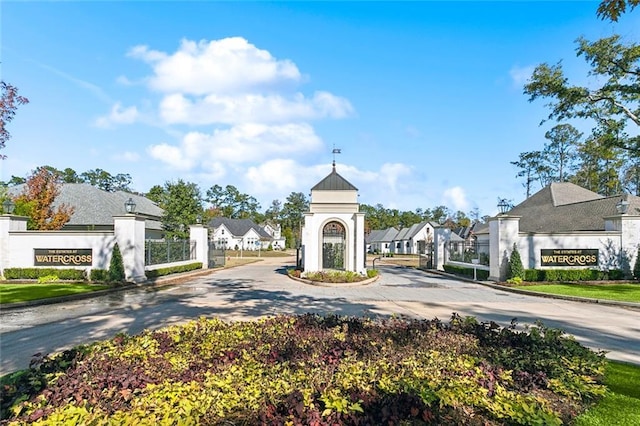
x,y
116,267
515,269
636,266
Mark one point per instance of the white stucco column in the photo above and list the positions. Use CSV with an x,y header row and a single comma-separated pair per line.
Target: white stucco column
x,y
629,228
129,232
9,223
440,237
199,234
309,244
360,259
630,239
503,233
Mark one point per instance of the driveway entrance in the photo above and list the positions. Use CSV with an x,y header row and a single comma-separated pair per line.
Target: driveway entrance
x,y
262,289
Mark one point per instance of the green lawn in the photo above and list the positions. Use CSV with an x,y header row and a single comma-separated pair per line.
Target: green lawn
x,y
622,292
621,405
11,293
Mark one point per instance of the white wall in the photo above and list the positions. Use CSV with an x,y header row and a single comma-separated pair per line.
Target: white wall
x,y
17,244
23,243
608,244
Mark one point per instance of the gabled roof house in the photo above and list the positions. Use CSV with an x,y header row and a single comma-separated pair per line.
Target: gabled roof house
x,y
94,208
407,240
379,240
238,234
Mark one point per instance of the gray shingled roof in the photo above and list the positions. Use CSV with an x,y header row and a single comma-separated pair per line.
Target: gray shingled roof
x,y
565,207
382,235
93,206
334,182
239,227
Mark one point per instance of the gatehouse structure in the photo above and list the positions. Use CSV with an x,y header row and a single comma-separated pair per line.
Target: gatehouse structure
x,y
333,232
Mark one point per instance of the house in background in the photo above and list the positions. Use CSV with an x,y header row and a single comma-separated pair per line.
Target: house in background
x,y
94,208
238,234
278,242
379,240
412,240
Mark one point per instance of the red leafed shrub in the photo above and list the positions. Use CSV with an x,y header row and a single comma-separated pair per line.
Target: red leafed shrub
x,y
313,370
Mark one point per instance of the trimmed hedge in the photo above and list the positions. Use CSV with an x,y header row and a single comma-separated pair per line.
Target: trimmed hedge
x,y
572,275
99,275
35,273
154,273
481,274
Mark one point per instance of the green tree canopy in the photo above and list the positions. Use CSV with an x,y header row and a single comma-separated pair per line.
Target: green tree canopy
x,y
9,102
232,203
182,204
612,93
613,9
105,180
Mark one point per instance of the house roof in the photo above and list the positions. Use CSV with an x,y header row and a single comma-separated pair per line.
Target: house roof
x,y
566,207
239,227
334,182
382,235
94,206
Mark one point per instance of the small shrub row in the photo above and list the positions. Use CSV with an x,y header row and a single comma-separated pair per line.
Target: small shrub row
x,y
572,275
37,273
99,275
481,274
334,276
154,273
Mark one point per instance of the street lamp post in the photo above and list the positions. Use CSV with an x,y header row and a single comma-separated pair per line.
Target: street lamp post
x,y
622,206
8,206
130,206
503,205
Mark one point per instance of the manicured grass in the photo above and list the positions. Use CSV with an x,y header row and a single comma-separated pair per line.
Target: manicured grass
x,y
621,404
620,292
259,253
11,293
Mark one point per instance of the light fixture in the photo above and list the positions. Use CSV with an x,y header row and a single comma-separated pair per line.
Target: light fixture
x,y
503,205
199,219
622,206
130,206
8,206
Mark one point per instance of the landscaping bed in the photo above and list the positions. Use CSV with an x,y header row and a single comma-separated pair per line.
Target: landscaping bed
x,y
312,369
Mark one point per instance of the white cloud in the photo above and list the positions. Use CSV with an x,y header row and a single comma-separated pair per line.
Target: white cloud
x,y
128,156
229,65
177,108
390,172
520,75
279,175
244,143
118,115
455,198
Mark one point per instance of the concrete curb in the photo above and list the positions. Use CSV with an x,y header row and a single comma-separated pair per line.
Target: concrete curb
x,y
491,284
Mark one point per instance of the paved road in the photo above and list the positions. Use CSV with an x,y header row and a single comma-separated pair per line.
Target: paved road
x,y
260,289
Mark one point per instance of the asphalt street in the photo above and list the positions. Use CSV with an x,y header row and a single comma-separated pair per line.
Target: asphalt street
x,y
262,289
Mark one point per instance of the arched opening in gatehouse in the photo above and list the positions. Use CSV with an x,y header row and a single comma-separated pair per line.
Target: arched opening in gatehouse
x,y
333,246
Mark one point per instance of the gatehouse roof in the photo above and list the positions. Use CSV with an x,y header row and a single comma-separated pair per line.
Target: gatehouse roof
x,y
334,182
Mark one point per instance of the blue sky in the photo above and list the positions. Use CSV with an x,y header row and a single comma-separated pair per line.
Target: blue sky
x,y
424,99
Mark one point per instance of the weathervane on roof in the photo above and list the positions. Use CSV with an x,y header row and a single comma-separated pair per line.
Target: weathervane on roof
x,y
334,152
